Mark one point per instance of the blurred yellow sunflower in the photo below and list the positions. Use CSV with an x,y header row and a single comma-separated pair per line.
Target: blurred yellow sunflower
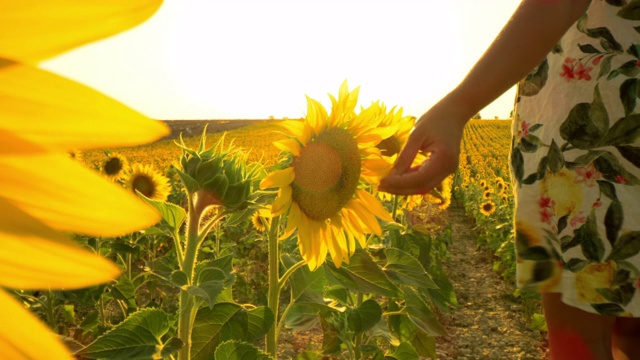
x,y
44,116
114,167
488,208
146,180
261,219
320,189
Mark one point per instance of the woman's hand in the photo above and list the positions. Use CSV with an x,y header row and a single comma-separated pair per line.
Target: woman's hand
x,y
438,132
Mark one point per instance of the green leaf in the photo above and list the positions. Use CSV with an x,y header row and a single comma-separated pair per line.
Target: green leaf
x,y
172,346
586,124
630,11
590,242
608,309
607,41
628,95
611,169
149,326
260,320
406,269
605,66
608,189
555,158
179,278
517,164
613,220
237,350
626,246
172,214
125,290
420,314
365,316
225,321
535,253
535,81
362,275
631,153
306,285
209,284
576,264
189,183
404,351
624,132
588,49
304,316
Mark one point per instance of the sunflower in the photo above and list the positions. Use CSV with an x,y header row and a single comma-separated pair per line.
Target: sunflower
x,y
114,167
146,180
488,208
321,190
487,194
43,117
260,219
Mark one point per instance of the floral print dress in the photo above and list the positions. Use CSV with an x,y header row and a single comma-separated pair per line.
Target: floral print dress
x,y
575,165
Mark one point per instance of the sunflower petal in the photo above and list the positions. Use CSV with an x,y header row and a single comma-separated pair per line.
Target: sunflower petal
x,y
22,336
316,115
293,220
365,216
41,29
66,196
278,178
282,202
64,115
374,206
33,256
289,145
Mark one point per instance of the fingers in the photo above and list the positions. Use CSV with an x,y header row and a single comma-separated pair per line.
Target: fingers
x,y
418,180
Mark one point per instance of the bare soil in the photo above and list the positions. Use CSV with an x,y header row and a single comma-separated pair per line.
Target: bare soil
x,y
489,322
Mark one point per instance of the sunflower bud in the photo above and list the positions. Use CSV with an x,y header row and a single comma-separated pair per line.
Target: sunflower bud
x,y
216,176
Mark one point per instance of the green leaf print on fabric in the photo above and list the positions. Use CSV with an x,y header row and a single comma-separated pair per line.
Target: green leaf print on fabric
x,y
590,242
631,153
613,220
517,163
608,189
555,158
629,94
626,246
608,309
617,3
586,124
630,11
535,81
624,132
575,265
612,170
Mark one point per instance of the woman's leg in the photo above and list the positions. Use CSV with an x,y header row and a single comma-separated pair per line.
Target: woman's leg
x,y
626,339
574,333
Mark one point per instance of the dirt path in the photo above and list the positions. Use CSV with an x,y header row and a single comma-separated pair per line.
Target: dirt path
x,y
489,322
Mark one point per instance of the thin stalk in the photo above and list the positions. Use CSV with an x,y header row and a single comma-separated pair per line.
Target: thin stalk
x,y
395,207
358,338
187,265
51,319
288,273
178,245
274,285
280,324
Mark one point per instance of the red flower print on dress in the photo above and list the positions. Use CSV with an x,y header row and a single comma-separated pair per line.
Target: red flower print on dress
x,y
621,179
547,213
588,175
524,129
596,204
574,69
577,220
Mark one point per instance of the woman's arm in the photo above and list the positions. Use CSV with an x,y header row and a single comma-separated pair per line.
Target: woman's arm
x,y
533,30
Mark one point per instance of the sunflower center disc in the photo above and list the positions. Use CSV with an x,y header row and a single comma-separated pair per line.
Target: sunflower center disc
x,y
144,185
112,166
326,174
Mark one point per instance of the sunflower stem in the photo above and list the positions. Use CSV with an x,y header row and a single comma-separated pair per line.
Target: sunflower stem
x,y
187,311
395,207
274,285
358,337
283,280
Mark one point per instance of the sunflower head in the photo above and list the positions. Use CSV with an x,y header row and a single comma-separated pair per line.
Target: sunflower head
x,y
115,166
148,182
217,175
488,208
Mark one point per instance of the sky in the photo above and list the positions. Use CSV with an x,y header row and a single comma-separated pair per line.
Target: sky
x,y
252,59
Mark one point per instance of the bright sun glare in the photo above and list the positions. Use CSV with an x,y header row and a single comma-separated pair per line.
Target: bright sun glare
x,y
252,59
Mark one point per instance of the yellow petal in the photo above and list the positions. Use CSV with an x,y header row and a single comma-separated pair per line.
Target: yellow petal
x,y
294,127
61,114
282,202
374,206
35,29
66,196
293,220
289,145
316,116
33,256
365,216
278,178
23,337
